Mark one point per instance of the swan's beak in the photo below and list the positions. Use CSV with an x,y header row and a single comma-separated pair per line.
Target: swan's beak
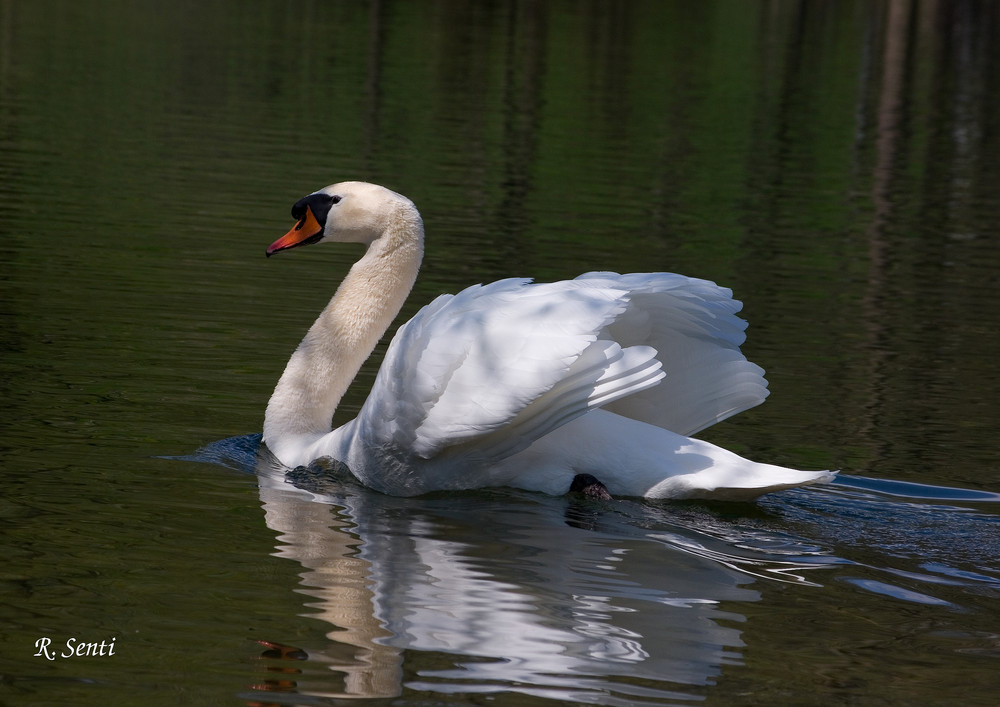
x,y
307,230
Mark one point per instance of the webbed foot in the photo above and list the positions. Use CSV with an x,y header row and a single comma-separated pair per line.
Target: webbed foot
x,y
590,487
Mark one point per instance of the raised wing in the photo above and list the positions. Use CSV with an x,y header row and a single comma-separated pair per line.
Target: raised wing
x,y
495,367
693,326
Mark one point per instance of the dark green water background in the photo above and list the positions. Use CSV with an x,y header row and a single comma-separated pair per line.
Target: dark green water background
x,y
836,163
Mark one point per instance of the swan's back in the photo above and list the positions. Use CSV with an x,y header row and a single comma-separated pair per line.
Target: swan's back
x,y
479,376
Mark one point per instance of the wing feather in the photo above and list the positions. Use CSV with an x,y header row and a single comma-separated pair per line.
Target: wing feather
x,y
487,371
694,327
509,356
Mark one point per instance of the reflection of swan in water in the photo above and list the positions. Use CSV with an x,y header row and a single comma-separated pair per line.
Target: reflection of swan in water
x,y
606,592
324,543
531,600
516,384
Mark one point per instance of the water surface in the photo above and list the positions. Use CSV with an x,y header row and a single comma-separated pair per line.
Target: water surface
x,y
836,164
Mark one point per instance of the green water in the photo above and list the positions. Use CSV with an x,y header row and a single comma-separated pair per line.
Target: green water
x,y
836,164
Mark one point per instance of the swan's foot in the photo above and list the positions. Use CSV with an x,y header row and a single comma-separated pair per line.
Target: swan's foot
x,y
590,487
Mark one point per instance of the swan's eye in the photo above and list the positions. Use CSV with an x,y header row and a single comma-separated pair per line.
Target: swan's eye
x,y
319,203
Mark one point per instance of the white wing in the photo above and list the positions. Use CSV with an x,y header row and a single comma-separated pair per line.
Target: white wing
x,y
693,326
495,367
486,372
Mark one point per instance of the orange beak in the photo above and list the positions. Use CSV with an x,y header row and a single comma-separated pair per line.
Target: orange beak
x,y
306,231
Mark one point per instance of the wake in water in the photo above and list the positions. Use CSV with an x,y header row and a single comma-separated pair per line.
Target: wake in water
x,y
940,527
584,600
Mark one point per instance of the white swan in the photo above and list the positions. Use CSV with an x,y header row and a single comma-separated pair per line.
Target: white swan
x,y
513,383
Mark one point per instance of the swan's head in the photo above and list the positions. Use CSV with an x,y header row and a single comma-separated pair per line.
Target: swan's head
x,y
349,212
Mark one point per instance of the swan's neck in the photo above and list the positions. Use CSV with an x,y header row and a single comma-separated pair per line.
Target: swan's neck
x,y
317,375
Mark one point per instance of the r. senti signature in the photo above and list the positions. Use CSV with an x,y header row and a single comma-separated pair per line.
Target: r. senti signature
x,y
73,648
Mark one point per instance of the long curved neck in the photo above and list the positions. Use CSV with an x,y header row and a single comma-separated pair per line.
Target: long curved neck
x,y
324,364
